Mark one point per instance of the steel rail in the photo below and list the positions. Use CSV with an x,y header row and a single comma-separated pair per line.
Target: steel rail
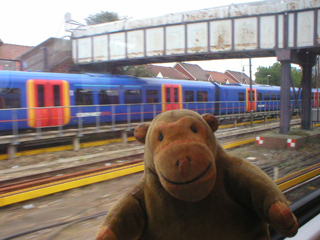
x,y
304,209
81,179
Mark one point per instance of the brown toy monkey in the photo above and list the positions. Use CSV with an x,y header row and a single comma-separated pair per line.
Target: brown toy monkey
x,y
192,189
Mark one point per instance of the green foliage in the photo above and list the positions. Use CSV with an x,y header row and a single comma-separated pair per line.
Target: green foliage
x,y
274,72
275,75
296,77
102,17
136,71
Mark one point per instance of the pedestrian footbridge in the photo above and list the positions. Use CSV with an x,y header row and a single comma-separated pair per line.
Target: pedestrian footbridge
x,y
256,29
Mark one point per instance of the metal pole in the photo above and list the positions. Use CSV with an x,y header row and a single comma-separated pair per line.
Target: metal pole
x,y
285,115
306,96
251,95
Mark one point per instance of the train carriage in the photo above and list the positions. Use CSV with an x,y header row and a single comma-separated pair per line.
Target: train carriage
x,y
234,98
34,99
268,98
42,100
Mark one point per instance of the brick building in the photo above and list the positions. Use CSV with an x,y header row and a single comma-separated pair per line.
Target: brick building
x,y
11,52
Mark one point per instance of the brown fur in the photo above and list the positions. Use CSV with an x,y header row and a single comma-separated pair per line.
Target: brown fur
x,y
192,189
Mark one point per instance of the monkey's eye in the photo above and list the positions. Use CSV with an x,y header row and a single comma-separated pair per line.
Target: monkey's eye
x,y
194,129
160,137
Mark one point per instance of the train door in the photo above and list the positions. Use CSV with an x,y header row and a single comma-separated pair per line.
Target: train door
x,y
46,96
171,97
254,99
316,99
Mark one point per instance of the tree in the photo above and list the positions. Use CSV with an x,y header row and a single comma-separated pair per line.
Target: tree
x,y
136,71
102,17
274,73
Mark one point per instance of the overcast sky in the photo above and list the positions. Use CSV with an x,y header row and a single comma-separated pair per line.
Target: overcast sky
x,y
30,22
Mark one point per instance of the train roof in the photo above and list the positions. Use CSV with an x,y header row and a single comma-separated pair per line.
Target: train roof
x,y
245,86
87,78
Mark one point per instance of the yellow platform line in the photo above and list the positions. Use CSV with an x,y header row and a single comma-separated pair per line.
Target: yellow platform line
x,y
300,179
284,179
66,147
39,191
238,143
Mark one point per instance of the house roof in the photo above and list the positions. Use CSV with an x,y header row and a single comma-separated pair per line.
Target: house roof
x,y
241,77
220,77
12,51
195,70
166,72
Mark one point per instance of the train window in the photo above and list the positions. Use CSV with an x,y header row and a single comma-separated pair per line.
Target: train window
x,y
132,96
40,89
176,95
273,96
152,96
56,95
84,97
241,96
267,96
259,96
292,96
168,95
278,97
10,98
189,96
202,96
108,96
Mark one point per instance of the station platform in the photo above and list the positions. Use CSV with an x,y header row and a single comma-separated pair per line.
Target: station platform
x,y
295,139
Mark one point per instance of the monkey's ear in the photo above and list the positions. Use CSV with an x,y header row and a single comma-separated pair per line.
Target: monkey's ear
x,y
140,132
211,120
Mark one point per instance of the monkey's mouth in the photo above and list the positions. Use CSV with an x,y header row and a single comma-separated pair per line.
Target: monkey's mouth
x,y
190,181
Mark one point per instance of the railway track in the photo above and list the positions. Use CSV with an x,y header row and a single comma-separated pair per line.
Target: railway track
x,y
222,135
305,209
97,170
224,130
16,190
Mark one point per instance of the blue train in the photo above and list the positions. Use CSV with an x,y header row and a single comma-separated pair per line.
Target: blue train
x,y
37,99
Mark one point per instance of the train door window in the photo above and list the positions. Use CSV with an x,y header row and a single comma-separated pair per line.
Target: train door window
x,y
259,96
84,97
56,95
241,96
10,98
108,96
176,95
40,92
202,96
251,94
267,96
132,96
189,96
273,96
152,96
168,95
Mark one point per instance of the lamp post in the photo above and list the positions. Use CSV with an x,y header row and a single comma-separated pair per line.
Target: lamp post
x,y
268,79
